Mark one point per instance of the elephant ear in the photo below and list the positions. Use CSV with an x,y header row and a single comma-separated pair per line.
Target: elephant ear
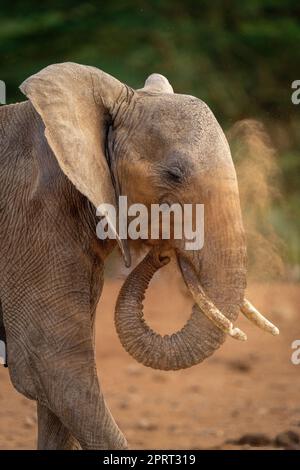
x,y
75,103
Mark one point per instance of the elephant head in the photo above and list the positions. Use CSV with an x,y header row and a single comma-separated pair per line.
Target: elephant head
x,y
154,146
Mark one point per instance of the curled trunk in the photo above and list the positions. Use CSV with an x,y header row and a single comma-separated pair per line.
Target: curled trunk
x,y
197,340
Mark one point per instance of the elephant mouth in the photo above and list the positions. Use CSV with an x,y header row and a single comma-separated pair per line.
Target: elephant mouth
x,y
203,333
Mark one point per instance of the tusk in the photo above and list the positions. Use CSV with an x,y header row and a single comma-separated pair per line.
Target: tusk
x,y
206,306
257,318
217,317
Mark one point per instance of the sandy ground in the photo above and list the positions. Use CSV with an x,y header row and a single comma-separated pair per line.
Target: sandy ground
x,y
245,388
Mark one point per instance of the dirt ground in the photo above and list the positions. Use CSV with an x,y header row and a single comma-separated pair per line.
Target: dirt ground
x,y
242,397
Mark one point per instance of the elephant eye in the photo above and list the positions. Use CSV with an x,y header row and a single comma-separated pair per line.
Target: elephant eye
x,y
174,174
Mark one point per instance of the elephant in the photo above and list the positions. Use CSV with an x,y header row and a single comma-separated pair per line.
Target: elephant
x,y
81,139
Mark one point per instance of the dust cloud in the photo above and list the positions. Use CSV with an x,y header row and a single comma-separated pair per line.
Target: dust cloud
x,y
259,182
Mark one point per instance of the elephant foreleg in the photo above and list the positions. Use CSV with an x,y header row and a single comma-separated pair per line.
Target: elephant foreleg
x,y
51,352
52,434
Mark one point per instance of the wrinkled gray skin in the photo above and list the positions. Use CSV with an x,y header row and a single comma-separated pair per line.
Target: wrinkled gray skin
x,y
84,138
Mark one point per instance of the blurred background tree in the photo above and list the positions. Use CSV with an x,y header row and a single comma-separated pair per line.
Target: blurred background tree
x,y
239,56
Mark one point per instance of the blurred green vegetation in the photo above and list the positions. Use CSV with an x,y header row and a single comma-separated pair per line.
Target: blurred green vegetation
x,y
239,56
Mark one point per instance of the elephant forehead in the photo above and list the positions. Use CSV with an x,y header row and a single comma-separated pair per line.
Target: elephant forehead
x,y
160,127
174,115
